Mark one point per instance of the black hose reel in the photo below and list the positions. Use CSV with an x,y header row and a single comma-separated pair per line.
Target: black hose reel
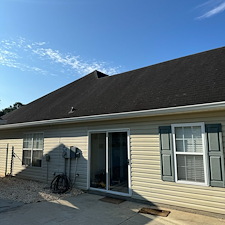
x,y
60,184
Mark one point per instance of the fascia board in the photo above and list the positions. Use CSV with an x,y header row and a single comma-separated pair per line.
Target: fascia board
x,y
124,115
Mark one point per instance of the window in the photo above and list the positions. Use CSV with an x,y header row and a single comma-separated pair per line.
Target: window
x,y
192,154
33,144
189,153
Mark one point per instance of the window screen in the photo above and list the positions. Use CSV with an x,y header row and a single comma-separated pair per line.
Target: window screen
x,y
189,153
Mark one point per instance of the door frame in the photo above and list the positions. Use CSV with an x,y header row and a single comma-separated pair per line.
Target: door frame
x,y
127,130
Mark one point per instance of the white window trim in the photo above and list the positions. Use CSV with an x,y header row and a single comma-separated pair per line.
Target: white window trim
x,y
32,149
107,131
205,160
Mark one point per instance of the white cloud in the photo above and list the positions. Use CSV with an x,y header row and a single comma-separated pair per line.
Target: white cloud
x,y
74,62
211,8
12,59
37,57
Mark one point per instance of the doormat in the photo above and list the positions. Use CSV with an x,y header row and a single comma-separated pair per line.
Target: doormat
x,y
112,200
156,212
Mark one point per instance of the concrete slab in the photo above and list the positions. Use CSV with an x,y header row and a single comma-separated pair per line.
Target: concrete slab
x,y
6,205
86,209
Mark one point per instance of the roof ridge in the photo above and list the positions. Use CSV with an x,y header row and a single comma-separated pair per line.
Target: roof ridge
x,y
170,60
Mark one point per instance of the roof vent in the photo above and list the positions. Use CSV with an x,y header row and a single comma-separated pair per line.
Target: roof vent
x,y
71,110
99,74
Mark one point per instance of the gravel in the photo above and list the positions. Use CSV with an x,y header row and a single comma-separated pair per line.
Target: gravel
x,y
28,191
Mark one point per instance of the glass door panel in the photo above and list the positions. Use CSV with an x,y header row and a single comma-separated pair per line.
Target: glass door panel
x,y
117,162
98,161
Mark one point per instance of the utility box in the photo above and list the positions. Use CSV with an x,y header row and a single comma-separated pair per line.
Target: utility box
x,y
66,153
73,152
47,157
70,153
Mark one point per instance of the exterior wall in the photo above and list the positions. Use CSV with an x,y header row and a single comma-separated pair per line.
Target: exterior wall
x,y
145,159
12,139
55,140
146,174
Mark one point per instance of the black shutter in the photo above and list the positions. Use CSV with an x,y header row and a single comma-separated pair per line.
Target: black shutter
x,y
215,154
166,153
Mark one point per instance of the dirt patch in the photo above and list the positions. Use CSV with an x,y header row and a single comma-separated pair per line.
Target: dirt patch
x,y
28,191
156,212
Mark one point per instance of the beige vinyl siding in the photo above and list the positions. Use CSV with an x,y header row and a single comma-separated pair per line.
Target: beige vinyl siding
x,y
145,164
13,139
55,139
54,142
3,159
146,174
145,159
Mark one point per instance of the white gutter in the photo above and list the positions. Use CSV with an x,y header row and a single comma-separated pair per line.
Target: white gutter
x,y
124,115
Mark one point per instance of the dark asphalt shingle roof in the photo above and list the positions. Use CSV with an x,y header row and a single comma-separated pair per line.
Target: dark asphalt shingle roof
x,y
189,80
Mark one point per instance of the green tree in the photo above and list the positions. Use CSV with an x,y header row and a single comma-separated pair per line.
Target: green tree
x,y
15,106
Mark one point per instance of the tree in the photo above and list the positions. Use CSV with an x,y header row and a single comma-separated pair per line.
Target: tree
x,y
15,106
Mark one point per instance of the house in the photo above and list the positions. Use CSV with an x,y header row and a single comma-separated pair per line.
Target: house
x,y
155,133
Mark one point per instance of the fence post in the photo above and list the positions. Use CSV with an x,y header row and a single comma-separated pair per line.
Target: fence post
x,y
6,160
12,156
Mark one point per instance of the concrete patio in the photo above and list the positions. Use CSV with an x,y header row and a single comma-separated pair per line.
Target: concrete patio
x,y
86,209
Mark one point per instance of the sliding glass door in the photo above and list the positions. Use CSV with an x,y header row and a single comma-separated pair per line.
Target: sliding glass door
x,y
118,162
109,161
98,163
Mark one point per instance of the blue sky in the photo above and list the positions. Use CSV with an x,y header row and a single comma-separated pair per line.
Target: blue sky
x,y
45,44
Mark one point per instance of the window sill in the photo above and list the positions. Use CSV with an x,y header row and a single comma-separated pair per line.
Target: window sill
x,y
192,183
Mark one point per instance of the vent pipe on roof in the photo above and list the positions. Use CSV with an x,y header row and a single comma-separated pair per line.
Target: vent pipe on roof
x,y
71,110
